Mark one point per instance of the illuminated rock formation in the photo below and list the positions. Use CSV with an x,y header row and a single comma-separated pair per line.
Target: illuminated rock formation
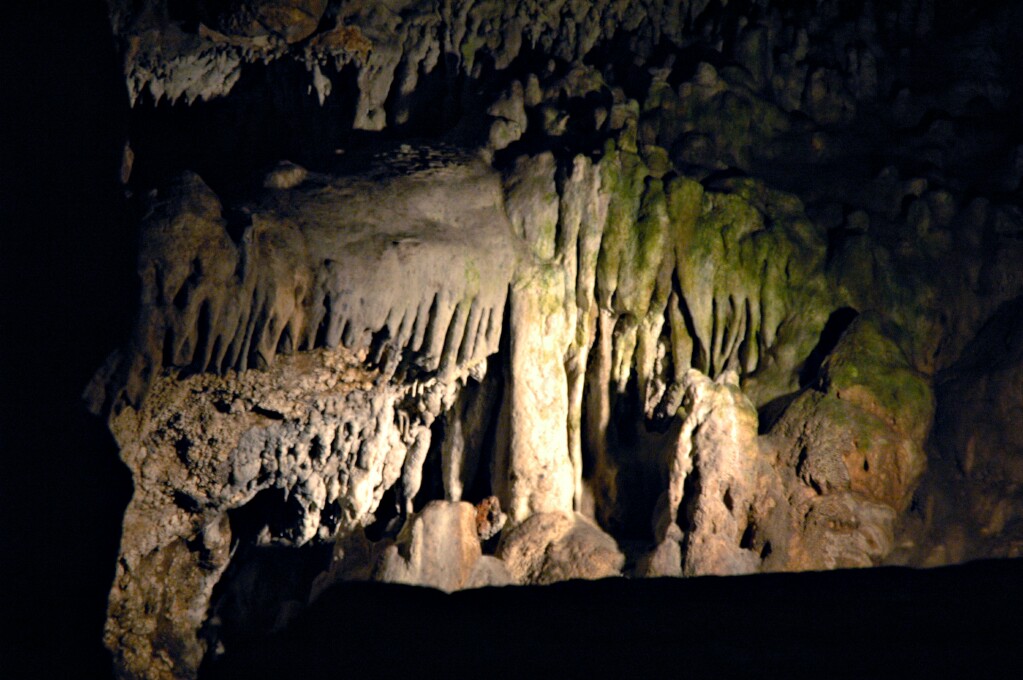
x,y
547,291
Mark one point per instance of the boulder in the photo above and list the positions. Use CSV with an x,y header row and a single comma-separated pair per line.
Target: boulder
x,y
551,547
438,547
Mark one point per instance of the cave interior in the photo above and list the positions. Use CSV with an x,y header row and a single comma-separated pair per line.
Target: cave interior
x,y
555,338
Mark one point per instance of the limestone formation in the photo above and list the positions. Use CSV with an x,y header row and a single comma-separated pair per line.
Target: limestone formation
x,y
516,293
717,456
550,547
437,548
854,443
966,501
208,436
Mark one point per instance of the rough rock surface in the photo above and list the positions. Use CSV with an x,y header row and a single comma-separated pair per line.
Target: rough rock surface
x,y
292,20
364,262
968,504
553,546
714,473
439,547
625,288
327,427
852,449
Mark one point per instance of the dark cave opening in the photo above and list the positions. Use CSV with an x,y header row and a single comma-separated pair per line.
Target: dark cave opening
x,y
432,487
836,325
262,590
492,392
232,141
268,513
388,511
266,583
636,451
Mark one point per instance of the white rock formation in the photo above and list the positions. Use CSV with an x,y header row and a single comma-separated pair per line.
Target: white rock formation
x,y
718,454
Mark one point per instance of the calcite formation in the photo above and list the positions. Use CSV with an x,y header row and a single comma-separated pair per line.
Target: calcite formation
x,y
639,305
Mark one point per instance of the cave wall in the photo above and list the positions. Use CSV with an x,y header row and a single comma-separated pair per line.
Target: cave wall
x,y
464,294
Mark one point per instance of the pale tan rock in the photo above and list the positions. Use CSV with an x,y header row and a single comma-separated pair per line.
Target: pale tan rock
x,y
321,422
205,445
551,547
510,114
524,547
438,547
488,572
829,499
585,552
535,473
159,600
663,560
324,263
717,447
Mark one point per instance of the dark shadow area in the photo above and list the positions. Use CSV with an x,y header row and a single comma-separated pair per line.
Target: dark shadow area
x,y
769,413
261,591
634,450
67,255
481,485
952,622
387,514
232,141
836,325
270,512
432,485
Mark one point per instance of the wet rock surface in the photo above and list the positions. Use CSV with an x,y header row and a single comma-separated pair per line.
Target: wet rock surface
x,y
488,294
